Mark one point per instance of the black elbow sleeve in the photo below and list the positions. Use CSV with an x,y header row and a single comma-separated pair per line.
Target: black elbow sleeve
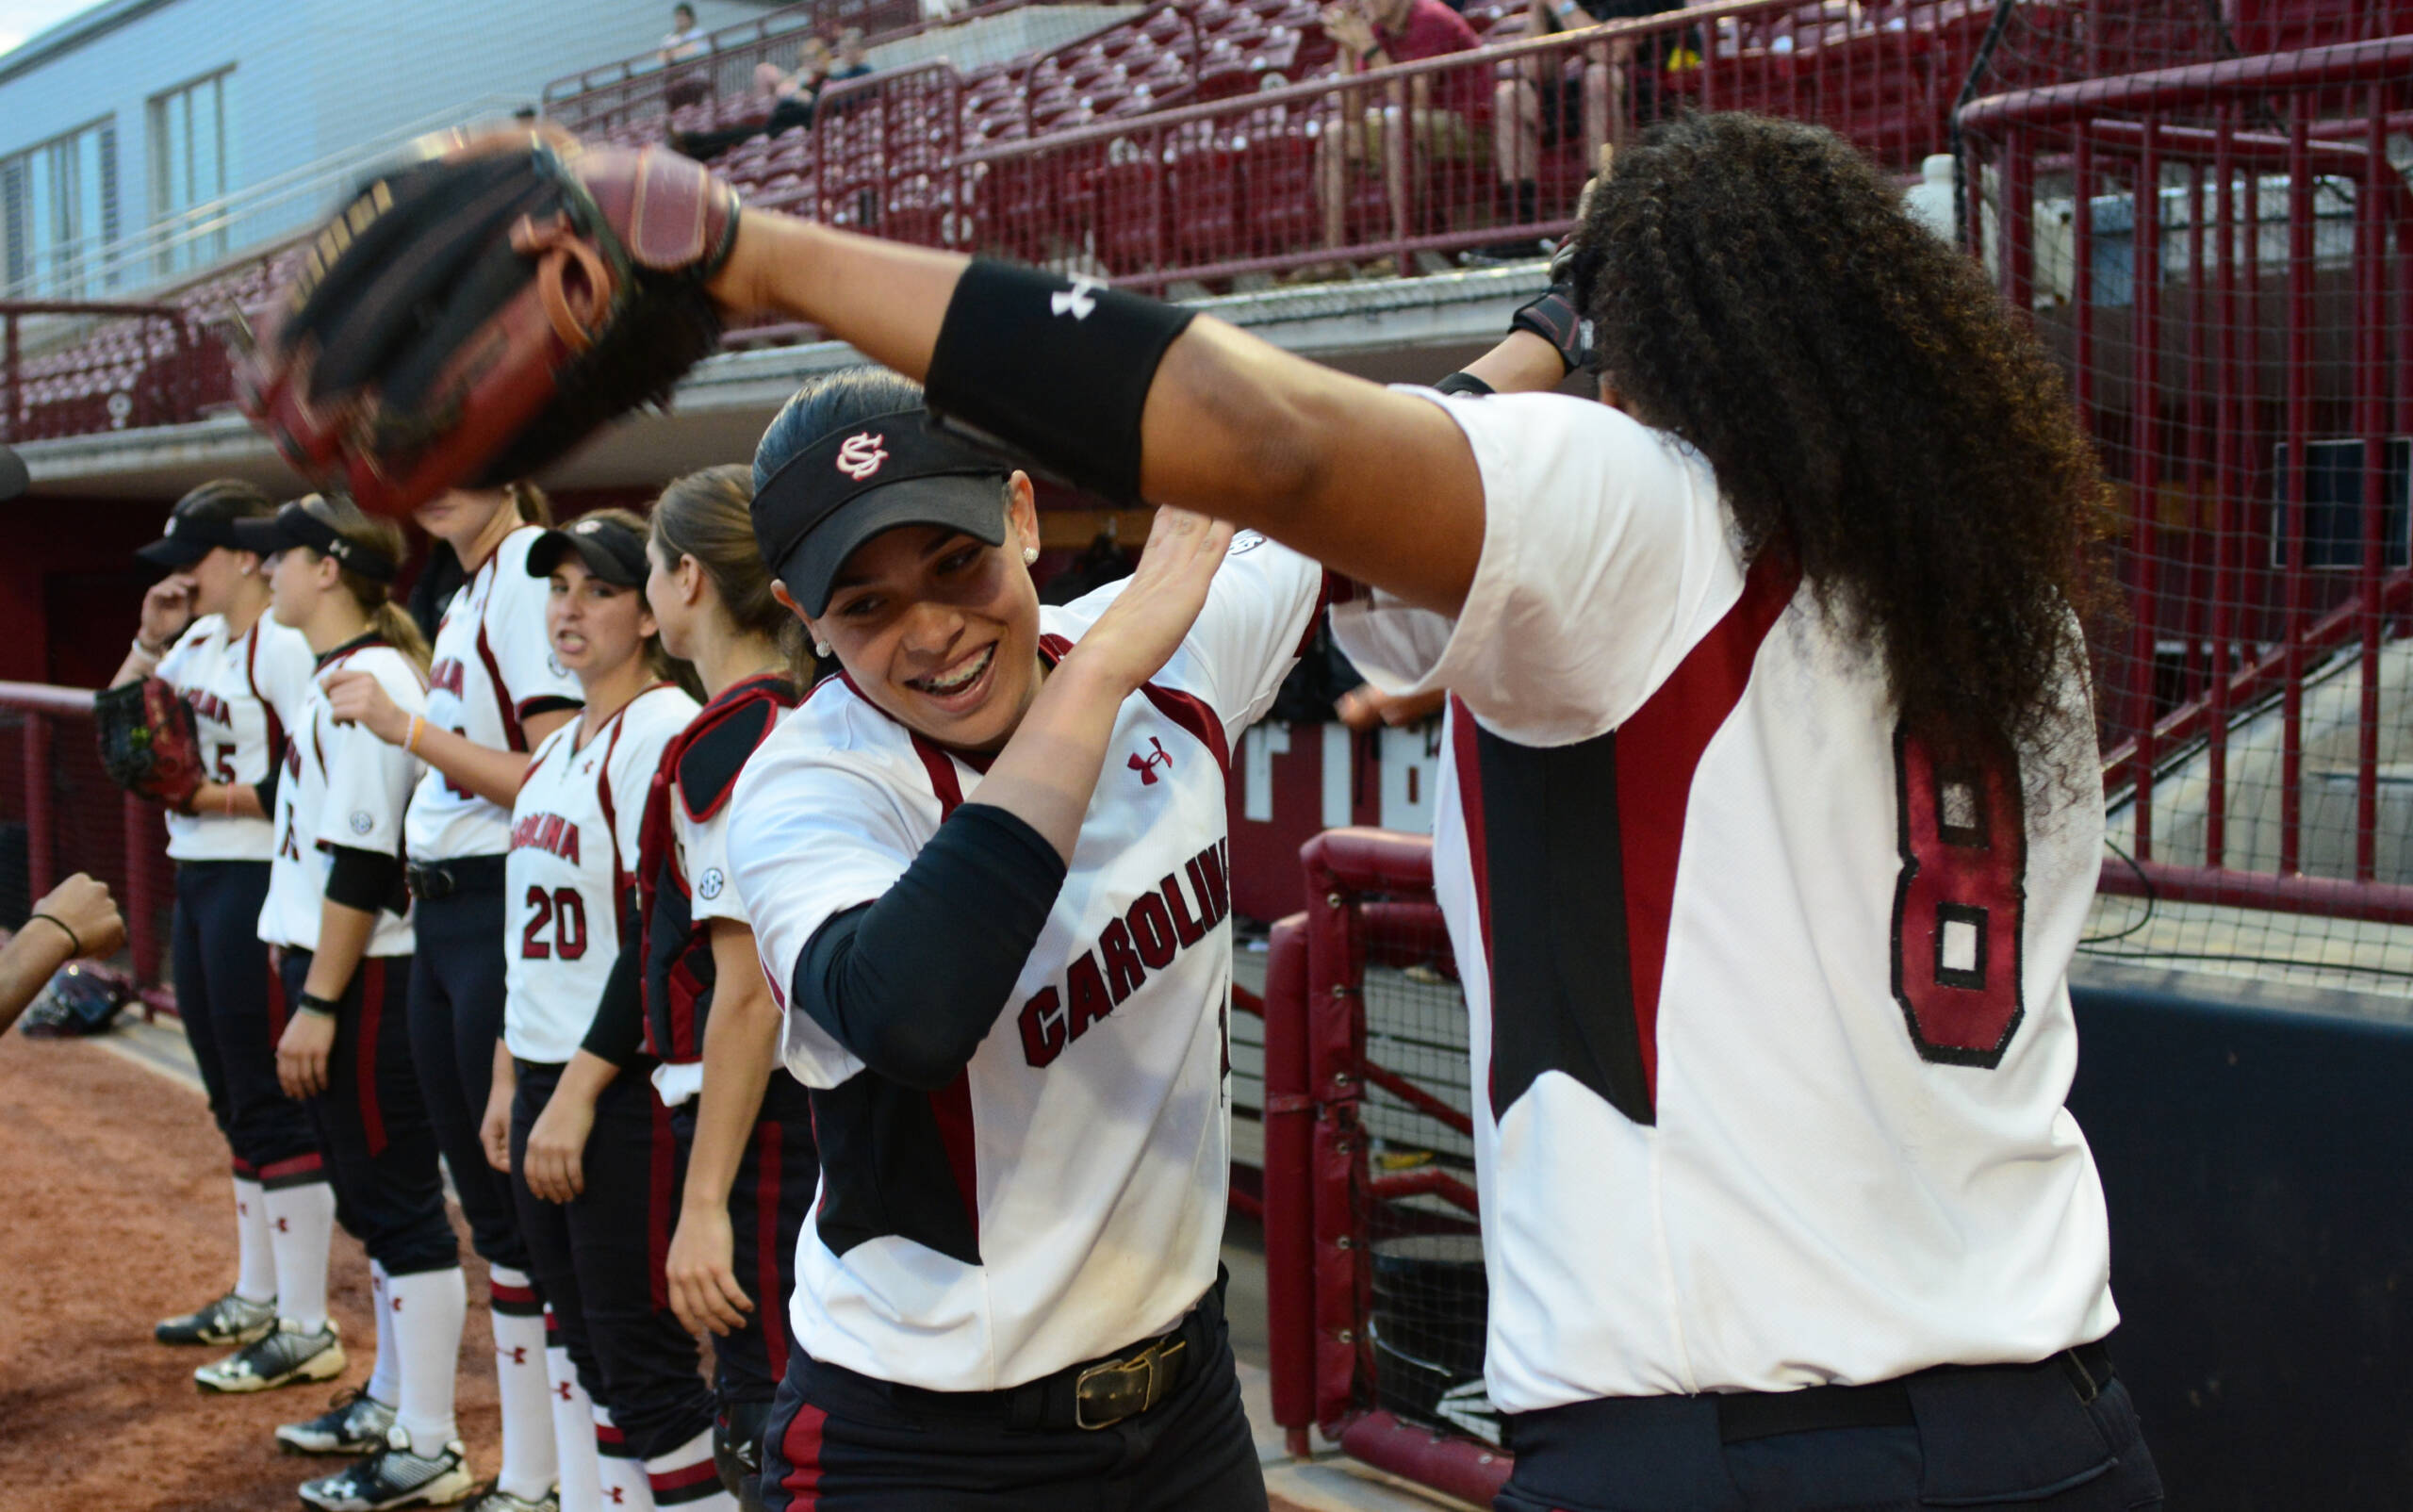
x,y
912,984
365,879
618,1029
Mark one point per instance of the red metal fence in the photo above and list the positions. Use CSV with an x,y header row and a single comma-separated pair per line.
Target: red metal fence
x,y
60,813
641,87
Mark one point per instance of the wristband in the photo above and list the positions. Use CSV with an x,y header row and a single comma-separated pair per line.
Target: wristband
x,y
1552,317
55,922
1464,382
314,1006
410,737
1053,367
146,652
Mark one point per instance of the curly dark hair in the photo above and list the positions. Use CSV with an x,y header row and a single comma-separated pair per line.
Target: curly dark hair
x,y
1871,408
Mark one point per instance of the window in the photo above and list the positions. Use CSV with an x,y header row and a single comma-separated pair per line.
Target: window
x,y
57,210
189,172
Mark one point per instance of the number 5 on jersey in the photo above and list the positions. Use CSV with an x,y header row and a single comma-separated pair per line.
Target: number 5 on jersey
x,y
1960,904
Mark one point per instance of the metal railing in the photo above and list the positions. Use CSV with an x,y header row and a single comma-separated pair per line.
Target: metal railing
x,y
633,88
147,365
62,815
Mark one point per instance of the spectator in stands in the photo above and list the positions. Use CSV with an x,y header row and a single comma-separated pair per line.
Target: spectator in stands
x,y
793,98
685,42
1444,110
75,918
854,59
1543,105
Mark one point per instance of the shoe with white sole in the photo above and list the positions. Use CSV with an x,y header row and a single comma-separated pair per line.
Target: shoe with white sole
x,y
500,1500
355,1424
227,1323
394,1477
289,1356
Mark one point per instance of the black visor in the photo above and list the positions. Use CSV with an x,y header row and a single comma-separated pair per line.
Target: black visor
x,y
202,520
892,470
610,549
294,526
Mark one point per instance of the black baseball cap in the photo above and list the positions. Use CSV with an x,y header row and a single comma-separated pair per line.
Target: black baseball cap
x,y
202,520
896,468
295,526
611,549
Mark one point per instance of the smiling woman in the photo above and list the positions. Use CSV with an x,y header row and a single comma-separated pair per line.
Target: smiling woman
x,y
985,871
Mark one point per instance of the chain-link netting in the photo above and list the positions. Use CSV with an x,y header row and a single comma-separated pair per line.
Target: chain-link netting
x,y
60,814
2219,243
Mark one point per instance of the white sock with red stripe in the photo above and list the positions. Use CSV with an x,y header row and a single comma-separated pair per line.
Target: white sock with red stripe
x,y
529,1460
255,1265
428,1309
579,1469
686,1477
623,1473
301,1223
386,1379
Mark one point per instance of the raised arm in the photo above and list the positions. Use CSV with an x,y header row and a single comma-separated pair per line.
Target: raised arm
x,y
1376,485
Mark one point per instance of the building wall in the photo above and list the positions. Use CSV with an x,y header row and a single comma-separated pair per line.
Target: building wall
x,y
308,80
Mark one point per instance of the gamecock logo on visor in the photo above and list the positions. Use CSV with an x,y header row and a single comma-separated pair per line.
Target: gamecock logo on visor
x,y
861,455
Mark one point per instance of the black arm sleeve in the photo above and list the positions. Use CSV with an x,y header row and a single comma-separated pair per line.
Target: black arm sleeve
x,y
265,789
1463,383
618,1029
911,984
364,880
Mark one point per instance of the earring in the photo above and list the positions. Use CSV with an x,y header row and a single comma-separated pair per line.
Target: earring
x,y
821,647
1029,554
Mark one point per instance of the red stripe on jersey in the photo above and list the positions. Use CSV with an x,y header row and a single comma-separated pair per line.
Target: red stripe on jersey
x,y
250,679
800,1446
941,768
511,1295
301,1169
683,1477
513,738
1658,751
1190,712
277,1011
372,1012
767,1307
1470,773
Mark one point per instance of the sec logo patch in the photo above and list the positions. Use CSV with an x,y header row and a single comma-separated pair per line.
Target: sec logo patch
x,y
708,886
553,664
361,822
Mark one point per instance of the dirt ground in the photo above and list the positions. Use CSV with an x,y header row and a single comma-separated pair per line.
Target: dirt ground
x,y
118,1215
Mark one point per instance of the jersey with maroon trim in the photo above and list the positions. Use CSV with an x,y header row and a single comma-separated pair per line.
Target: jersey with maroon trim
x,y
342,786
1771,1028
1063,1196
682,871
571,866
493,660
242,688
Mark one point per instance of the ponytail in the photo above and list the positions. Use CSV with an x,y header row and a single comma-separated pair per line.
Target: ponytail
x,y
382,535
530,501
664,666
708,517
395,627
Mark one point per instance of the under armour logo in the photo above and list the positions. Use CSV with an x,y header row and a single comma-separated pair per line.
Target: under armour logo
x,y
861,455
517,1353
280,1228
397,1304
616,1494
1076,301
561,1388
1145,766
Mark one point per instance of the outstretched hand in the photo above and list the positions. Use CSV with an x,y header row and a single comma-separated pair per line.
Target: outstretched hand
x,y
1141,630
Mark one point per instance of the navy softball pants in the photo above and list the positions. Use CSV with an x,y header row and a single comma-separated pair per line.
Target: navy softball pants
x,y
768,1206
372,1125
598,1260
233,1012
455,1018
844,1443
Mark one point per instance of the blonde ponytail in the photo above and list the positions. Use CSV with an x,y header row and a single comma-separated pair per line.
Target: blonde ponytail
x,y
382,535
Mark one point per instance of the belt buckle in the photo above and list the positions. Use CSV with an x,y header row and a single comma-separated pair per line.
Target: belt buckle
x,y
1127,1387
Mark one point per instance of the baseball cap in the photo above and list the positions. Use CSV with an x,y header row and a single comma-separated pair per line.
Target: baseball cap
x,y
610,547
294,526
892,470
202,520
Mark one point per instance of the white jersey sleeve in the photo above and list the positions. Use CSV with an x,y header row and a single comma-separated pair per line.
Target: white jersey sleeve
x,y
369,782
175,666
703,849
655,718
526,672
1603,547
1260,611
283,668
814,833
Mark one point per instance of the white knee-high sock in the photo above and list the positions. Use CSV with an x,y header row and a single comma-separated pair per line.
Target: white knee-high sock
x,y
686,1478
529,1460
624,1482
579,1468
386,1379
255,1265
302,1222
428,1308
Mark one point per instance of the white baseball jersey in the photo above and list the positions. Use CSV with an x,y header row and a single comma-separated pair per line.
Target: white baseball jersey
x,y
342,786
494,666
1770,1028
573,859
1064,1196
242,688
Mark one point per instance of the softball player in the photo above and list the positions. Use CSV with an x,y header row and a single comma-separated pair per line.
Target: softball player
x,y
986,869
1777,807
496,692
206,631
744,1125
336,910
589,1149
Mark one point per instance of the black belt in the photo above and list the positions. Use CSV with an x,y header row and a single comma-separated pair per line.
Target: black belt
x,y
467,874
1096,1394
1747,1415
